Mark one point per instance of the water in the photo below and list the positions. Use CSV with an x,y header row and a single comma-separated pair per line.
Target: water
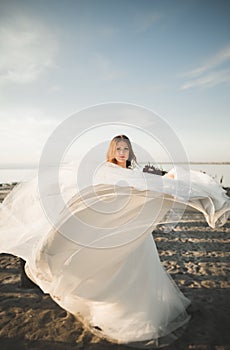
x,y
215,170
8,175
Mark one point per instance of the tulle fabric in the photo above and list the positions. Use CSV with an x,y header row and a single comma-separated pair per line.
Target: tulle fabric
x,y
97,258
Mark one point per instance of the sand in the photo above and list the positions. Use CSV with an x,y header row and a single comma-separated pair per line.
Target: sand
x,y
197,258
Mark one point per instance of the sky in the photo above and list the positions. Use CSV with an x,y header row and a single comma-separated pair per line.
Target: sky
x,y
59,57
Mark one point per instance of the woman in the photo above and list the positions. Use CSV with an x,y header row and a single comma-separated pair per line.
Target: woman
x,y
120,152
98,260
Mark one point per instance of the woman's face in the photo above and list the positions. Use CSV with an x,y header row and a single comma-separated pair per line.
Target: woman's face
x,y
121,153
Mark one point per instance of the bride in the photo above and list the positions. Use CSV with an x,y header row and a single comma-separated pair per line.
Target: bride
x,y
97,258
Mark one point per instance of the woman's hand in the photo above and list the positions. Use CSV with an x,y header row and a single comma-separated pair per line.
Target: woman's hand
x,y
170,175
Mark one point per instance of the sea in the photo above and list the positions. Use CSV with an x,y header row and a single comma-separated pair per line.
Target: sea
x,y
219,171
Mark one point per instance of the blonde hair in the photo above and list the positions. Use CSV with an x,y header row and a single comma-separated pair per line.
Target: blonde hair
x,y
112,149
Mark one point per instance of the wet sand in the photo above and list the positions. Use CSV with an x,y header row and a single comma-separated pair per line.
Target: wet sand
x,y
197,258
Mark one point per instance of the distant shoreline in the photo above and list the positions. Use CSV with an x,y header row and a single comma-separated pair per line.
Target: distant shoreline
x,y
34,166
194,163
215,163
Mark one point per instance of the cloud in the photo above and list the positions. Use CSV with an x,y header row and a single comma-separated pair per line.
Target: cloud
x,y
27,49
210,73
215,61
209,79
23,134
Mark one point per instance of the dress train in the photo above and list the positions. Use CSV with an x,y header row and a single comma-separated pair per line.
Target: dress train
x,y
97,258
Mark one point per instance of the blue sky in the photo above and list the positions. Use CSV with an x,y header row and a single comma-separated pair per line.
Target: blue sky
x,y
58,57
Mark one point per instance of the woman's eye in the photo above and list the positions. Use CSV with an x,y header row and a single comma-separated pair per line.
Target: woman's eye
x,y
124,149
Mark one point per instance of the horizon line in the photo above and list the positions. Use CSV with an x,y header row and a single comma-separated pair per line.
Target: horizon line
x,y
36,165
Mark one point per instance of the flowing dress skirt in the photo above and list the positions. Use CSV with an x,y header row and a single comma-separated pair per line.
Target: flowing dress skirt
x,y
99,260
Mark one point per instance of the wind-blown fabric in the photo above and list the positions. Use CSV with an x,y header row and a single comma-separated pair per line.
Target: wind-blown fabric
x,y
97,258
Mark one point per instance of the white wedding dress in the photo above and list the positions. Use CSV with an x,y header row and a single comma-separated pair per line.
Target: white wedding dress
x,y
96,256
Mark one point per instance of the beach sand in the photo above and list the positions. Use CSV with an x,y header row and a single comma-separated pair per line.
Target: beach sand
x,y
197,258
